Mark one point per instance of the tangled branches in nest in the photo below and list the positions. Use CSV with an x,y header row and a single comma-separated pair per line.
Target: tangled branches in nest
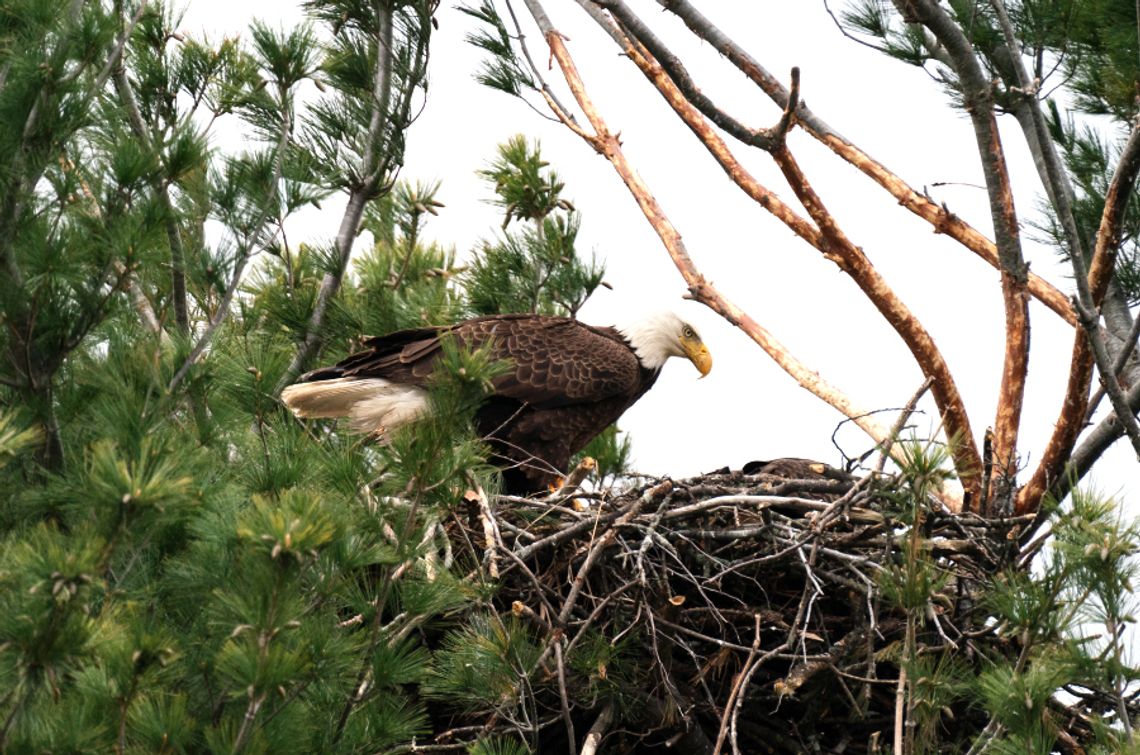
x,y
763,612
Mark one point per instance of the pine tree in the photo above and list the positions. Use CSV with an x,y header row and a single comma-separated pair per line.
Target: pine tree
x,y
184,567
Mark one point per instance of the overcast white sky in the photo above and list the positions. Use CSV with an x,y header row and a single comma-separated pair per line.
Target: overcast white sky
x,y
748,408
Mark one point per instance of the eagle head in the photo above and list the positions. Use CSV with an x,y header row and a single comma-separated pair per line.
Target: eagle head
x,y
656,338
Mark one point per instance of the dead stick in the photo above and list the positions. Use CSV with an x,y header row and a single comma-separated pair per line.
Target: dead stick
x,y
602,543
598,730
571,740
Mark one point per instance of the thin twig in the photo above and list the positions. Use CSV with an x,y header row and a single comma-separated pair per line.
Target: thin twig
x,y
571,739
730,704
598,730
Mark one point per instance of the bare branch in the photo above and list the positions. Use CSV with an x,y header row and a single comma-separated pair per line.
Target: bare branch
x,y
606,144
979,103
1098,440
1118,366
942,220
833,243
636,29
1055,468
1090,320
852,261
598,730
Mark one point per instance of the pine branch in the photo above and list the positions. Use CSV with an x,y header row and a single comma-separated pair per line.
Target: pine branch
x,y
162,190
22,181
371,166
248,248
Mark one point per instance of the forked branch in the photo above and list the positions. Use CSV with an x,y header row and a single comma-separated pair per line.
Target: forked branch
x,y
606,144
978,97
829,239
1051,471
939,217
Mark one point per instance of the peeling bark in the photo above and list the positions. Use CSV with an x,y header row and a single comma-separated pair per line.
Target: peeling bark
x,y
834,244
942,220
606,144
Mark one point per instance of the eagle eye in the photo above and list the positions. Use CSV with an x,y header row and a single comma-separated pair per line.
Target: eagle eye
x,y
687,332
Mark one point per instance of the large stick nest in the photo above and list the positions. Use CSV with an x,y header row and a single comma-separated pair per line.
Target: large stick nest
x,y
740,607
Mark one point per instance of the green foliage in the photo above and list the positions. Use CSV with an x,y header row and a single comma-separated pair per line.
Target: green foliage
x,y
183,566
535,269
1105,58
1069,620
14,439
503,70
482,664
1066,621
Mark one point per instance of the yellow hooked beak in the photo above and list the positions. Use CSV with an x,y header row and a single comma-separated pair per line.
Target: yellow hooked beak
x,y
698,354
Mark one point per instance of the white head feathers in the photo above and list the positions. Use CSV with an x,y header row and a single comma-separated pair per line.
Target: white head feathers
x,y
657,337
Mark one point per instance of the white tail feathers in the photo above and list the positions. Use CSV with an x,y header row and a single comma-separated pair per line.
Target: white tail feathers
x,y
372,405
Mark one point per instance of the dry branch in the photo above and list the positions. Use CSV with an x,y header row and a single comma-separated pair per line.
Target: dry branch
x,y
979,104
942,220
832,242
851,260
606,144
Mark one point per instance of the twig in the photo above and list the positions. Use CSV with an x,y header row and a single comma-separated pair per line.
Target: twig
x,y
547,93
602,543
598,730
900,423
900,708
788,119
918,203
571,739
491,536
730,704
573,481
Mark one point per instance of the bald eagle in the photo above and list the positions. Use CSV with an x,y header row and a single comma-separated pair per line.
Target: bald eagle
x,y
565,382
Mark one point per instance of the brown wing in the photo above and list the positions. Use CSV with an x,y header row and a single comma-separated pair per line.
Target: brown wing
x,y
397,356
552,361
555,361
